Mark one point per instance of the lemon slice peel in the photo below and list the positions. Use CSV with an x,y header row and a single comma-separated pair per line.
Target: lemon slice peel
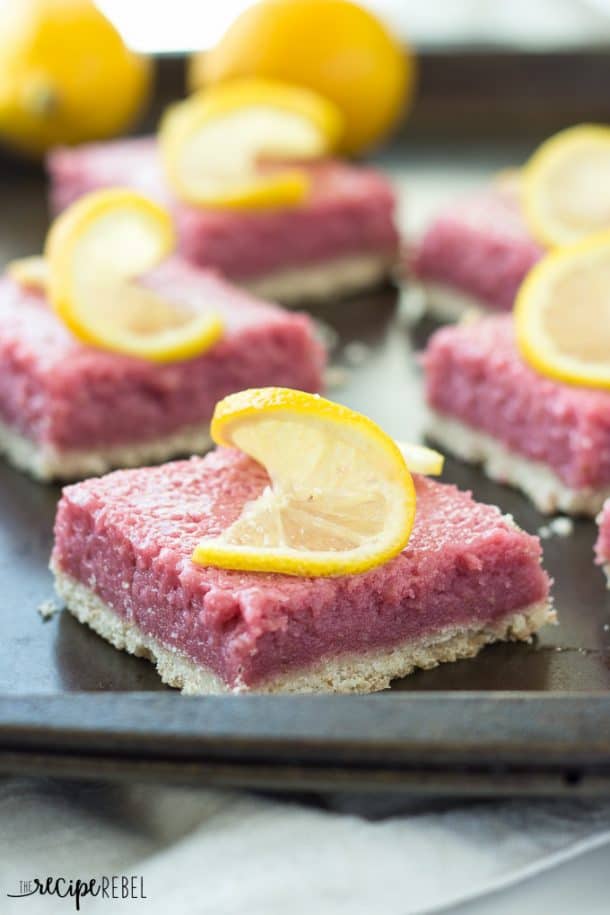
x,y
567,339
212,143
95,253
563,185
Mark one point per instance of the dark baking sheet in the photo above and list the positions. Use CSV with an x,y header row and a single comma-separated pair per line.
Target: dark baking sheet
x,y
71,704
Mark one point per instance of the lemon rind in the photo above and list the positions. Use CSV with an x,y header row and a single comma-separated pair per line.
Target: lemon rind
x,y
186,342
286,188
546,156
529,306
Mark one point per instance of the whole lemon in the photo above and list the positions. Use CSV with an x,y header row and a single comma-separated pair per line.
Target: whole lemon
x,y
332,46
65,75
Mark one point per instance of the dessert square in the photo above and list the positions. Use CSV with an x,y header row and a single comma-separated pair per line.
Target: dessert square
x,y
122,564
488,406
68,410
343,239
602,544
474,254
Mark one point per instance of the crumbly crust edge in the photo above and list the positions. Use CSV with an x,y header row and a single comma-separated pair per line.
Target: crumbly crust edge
x,y
537,480
46,463
324,281
447,304
356,673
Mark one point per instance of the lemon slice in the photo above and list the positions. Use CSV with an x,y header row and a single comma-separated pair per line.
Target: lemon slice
x,y
29,272
212,143
566,185
341,498
420,459
94,253
562,313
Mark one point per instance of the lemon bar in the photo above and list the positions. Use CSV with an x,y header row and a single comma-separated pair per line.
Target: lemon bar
x,y
488,406
68,410
343,239
474,254
122,564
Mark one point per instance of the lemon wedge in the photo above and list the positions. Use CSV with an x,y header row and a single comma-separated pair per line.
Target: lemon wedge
x,y
420,459
212,144
95,252
566,185
29,272
341,498
562,313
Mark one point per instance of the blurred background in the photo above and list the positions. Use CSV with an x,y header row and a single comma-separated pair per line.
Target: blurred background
x,y
485,67
188,25
440,93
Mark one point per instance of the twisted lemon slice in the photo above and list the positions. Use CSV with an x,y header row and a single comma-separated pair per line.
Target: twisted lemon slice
x,y
341,498
566,185
212,143
95,251
562,313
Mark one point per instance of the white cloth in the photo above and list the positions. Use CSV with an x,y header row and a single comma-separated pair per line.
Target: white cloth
x,y
213,853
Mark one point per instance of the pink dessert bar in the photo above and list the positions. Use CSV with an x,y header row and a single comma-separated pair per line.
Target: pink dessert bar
x,y
122,565
488,406
474,254
68,410
602,545
342,240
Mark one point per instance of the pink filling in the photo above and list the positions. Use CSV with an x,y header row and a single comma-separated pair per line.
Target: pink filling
x,y
350,211
129,536
58,391
479,246
602,546
475,373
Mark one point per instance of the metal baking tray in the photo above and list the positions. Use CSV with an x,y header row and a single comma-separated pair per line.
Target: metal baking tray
x,y
519,718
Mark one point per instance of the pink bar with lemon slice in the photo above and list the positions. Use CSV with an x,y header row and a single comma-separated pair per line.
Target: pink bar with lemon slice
x,y
69,410
474,254
342,238
489,406
123,564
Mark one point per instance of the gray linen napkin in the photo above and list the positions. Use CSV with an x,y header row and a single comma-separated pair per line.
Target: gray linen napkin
x,y
203,852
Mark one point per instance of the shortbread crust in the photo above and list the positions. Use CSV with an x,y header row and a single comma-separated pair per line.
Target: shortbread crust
x,y
327,281
536,479
46,463
447,304
355,673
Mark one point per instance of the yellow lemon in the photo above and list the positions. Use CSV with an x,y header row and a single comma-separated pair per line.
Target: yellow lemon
x,y
334,47
562,313
95,252
212,143
341,498
65,75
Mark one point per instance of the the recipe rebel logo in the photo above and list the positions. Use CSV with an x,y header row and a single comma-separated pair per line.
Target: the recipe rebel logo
x,y
77,889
